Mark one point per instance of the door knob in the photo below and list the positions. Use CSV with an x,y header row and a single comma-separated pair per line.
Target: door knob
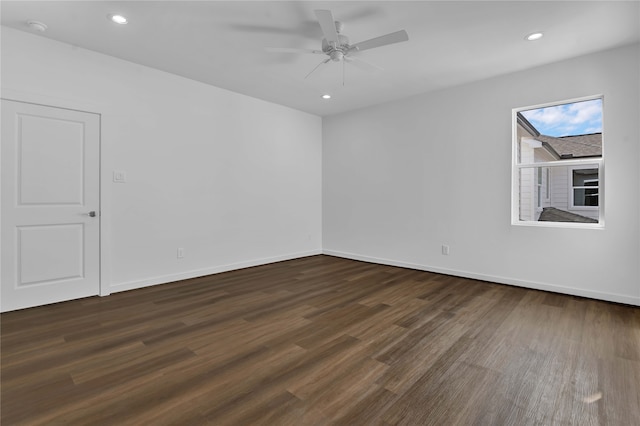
x,y
91,214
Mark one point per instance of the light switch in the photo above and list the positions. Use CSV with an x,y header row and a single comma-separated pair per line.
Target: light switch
x,y
119,176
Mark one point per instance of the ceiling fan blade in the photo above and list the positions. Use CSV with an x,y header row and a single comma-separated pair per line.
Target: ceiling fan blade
x,y
293,50
317,66
325,19
362,63
396,37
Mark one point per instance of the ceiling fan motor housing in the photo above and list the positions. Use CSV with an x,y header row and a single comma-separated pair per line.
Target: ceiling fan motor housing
x,y
336,53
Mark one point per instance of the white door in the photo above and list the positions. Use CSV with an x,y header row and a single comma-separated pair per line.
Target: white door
x,y
50,160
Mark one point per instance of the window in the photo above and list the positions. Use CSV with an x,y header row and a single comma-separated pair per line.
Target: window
x,y
543,187
539,187
584,184
558,165
548,184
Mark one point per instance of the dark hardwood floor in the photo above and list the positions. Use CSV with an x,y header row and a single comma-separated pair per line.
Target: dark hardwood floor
x,y
323,340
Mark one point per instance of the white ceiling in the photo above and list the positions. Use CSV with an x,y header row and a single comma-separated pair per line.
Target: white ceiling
x,y
224,43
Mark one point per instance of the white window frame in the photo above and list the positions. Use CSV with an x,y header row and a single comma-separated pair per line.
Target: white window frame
x,y
571,188
516,167
539,182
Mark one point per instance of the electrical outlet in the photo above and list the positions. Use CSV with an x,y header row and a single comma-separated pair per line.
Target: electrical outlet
x,y
180,252
445,250
119,176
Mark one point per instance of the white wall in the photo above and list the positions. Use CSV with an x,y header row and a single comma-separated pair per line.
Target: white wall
x,y
403,178
234,180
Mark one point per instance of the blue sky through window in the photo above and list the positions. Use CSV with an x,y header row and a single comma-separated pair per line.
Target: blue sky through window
x,y
577,118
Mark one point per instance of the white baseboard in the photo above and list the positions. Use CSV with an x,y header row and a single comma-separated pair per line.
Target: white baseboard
x,y
610,297
163,279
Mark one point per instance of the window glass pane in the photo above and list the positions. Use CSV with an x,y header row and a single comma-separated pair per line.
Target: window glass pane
x,y
585,177
566,202
560,132
585,197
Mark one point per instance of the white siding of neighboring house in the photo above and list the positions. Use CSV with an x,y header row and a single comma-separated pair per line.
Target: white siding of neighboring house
x,y
527,194
529,210
541,155
559,188
527,178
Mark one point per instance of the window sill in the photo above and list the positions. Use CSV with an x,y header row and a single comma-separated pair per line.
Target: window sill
x,y
566,225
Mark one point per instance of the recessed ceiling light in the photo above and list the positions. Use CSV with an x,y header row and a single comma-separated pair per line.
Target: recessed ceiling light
x,y
118,19
533,36
326,96
37,25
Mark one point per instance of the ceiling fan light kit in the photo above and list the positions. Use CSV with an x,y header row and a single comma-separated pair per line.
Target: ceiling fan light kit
x,y
336,45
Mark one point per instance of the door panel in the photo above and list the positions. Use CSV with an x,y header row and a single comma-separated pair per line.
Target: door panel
x,y
61,247
50,160
50,181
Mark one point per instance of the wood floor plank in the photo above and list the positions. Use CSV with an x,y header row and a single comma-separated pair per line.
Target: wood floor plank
x,y
323,341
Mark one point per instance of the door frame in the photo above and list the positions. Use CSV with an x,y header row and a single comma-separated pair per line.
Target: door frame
x,y
104,196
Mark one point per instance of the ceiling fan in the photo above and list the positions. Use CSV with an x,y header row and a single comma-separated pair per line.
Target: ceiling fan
x,y
336,46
